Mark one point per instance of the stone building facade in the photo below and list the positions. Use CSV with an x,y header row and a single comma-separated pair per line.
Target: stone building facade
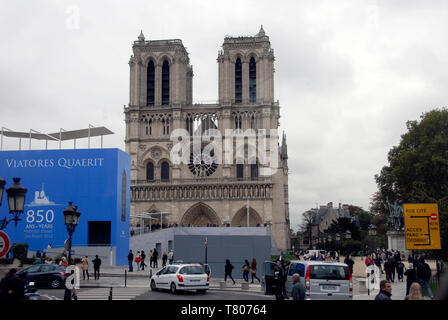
x,y
200,191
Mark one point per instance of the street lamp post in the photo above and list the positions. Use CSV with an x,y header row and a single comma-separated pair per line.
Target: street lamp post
x,y
16,201
372,234
71,220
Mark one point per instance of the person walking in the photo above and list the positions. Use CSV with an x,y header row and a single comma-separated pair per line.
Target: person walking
x,y
385,291
349,261
170,256
388,270
400,270
424,275
411,277
131,261
151,259
279,275
142,260
298,289
368,261
137,260
96,267
228,271
246,267
415,292
253,270
155,257
164,258
8,286
85,268
393,267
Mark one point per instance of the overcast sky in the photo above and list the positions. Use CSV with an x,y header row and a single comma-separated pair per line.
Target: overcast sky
x,y
349,74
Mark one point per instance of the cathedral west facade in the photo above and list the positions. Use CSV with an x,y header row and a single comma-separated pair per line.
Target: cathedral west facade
x,y
213,188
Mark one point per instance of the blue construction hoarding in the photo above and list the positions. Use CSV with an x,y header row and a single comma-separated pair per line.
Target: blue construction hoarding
x,y
95,180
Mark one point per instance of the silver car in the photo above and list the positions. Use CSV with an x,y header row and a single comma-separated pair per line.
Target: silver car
x,y
322,280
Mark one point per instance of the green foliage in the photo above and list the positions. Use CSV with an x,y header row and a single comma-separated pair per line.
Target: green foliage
x,y
418,169
342,225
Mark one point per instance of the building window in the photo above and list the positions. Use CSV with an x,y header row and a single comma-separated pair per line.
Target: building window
x,y
238,81
166,126
239,171
252,80
252,122
254,171
238,122
165,83
165,171
150,171
150,82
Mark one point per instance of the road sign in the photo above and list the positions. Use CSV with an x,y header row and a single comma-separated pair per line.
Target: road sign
x,y
422,226
5,244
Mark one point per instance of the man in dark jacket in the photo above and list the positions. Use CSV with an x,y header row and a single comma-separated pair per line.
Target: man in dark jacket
x,y
96,267
424,275
155,256
298,289
385,291
411,277
130,260
349,261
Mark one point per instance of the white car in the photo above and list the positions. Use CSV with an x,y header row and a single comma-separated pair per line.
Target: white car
x,y
176,277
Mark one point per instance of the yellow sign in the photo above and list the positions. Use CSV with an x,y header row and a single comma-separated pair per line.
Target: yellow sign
x,y
422,226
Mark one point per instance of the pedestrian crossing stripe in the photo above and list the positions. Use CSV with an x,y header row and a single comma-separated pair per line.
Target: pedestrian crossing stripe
x,y
117,293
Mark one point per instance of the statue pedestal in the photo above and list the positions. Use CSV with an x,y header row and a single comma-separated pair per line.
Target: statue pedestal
x,y
396,241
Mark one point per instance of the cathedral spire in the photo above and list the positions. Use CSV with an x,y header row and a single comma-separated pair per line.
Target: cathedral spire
x,y
261,33
284,147
141,37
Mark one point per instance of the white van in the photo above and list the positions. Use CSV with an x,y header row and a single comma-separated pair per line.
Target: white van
x,y
322,280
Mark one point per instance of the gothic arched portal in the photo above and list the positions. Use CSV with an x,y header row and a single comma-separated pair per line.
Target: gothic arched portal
x,y
240,218
200,215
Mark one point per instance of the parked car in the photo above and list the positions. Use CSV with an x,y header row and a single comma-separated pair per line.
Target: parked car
x,y
322,280
45,275
176,277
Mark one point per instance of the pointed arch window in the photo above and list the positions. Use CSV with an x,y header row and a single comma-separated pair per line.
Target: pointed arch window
x,y
150,84
165,83
254,171
252,80
165,176
238,81
150,171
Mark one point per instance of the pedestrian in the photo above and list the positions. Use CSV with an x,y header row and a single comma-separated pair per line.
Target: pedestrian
x,y
393,267
411,276
424,275
246,268
415,292
279,273
368,261
8,286
85,268
253,270
400,270
171,256
285,277
298,289
151,259
164,258
63,262
131,261
96,267
155,257
137,260
142,260
385,291
377,263
228,271
349,262
388,270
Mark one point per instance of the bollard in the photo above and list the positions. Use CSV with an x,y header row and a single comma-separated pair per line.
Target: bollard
x,y
150,273
222,285
125,277
110,294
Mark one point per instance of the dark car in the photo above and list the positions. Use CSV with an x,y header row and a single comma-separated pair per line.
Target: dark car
x,y
45,275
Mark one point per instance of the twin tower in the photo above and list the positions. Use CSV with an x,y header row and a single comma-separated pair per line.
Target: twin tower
x,y
205,193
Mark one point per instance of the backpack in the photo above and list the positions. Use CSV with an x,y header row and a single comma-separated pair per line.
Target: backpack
x,y
423,271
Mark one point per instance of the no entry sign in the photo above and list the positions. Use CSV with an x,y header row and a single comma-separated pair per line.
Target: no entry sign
x,y
5,244
422,226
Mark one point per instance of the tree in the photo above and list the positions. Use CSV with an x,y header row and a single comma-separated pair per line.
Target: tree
x,y
418,169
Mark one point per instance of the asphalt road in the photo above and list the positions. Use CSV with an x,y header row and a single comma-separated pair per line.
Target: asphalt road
x,y
130,293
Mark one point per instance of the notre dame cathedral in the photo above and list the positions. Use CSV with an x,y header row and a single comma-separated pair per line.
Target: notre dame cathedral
x,y
197,192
